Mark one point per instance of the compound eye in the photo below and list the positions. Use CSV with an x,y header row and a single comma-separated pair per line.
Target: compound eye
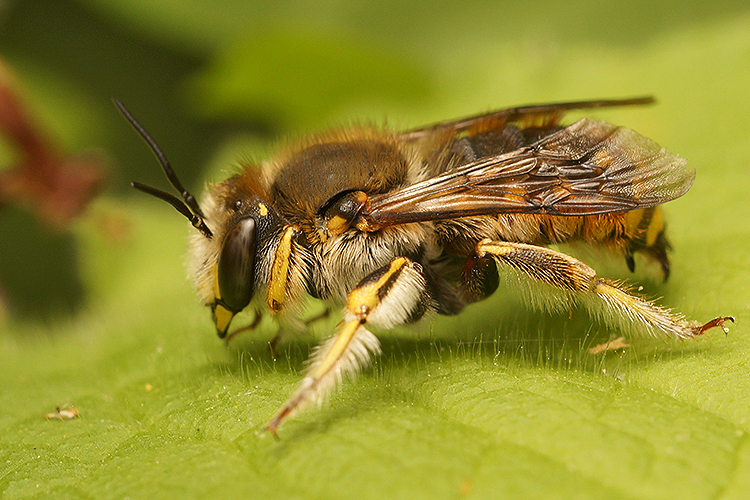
x,y
236,267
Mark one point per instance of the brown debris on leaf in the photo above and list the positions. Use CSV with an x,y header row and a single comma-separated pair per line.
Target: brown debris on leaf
x,y
55,185
67,412
612,345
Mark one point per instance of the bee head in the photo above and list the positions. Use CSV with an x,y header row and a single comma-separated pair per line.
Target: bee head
x,y
226,264
248,229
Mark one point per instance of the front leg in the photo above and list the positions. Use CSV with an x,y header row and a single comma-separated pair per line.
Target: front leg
x,y
394,294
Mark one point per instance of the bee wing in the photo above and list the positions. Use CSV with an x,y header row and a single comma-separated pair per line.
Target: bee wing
x,y
587,168
548,114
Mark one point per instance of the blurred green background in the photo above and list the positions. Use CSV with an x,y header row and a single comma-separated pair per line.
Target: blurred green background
x,y
501,401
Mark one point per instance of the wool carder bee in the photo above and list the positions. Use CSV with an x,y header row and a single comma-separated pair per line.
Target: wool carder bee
x,y
394,225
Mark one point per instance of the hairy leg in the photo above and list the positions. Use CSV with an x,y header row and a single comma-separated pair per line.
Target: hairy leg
x,y
394,294
579,282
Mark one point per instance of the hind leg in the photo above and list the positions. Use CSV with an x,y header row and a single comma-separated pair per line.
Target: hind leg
x,y
579,282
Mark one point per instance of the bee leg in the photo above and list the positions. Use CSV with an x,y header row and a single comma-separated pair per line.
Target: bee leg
x,y
274,343
611,301
649,239
392,295
258,315
479,278
323,315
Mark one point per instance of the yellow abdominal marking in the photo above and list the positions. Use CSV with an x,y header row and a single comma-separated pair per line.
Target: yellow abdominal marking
x,y
655,227
280,270
633,219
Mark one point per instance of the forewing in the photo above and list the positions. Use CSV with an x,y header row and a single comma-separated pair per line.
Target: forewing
x,y
548,114
586,168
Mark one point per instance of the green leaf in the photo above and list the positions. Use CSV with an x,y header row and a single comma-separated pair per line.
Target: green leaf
x,y
499,402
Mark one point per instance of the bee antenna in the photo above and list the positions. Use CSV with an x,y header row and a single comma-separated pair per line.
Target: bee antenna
x,y
195,219
189,208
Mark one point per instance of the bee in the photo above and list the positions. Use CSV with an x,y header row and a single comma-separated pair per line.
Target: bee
x,y
395,225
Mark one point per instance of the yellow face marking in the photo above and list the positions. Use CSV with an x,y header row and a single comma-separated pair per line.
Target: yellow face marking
x,y
263,209
222,318
276,294
215,276
221,315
